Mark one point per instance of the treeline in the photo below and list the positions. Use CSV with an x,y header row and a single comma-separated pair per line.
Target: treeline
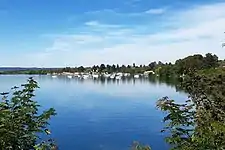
x,y
114,68
41,72
180,67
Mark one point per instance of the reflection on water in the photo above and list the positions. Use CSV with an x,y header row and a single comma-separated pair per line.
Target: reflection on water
x,y
102,114
152,79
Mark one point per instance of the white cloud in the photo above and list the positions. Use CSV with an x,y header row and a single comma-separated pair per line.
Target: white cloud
x,y
156,11
92,23
198,29
96,24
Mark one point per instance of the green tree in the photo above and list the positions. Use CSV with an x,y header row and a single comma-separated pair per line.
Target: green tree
x,y
108,68
152,65
102,67
166,70
128,66
160,63
20,120
117,68
190,63
113,68
94,68
123,68
211,61
198,124
81,69
67,69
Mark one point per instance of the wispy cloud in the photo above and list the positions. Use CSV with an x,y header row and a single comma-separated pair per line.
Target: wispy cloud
x,y
97,24
156,11
198,29
92,23
112,16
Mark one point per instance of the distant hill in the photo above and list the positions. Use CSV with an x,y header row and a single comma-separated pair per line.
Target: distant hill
x,y
22,69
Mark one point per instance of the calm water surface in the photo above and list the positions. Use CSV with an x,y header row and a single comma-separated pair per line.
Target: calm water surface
x,y
94,115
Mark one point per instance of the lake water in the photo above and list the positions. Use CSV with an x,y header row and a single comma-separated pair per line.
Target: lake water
x,y
94,115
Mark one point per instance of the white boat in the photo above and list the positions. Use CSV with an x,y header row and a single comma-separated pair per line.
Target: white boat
x,y
107,75
136,76
126,74
95,76
70,77
112,76
118,77
54,76
119,74
85,76
76,74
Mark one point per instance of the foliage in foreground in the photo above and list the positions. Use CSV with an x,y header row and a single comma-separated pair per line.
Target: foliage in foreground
x,y
199,123
20,120
138,146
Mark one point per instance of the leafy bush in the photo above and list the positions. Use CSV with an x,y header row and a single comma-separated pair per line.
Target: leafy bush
x,y
20,121
198,124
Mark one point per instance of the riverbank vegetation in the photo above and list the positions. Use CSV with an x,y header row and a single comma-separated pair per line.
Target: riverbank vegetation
x,y
199,123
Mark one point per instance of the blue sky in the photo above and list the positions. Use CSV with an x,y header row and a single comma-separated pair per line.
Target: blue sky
x,y
47,33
